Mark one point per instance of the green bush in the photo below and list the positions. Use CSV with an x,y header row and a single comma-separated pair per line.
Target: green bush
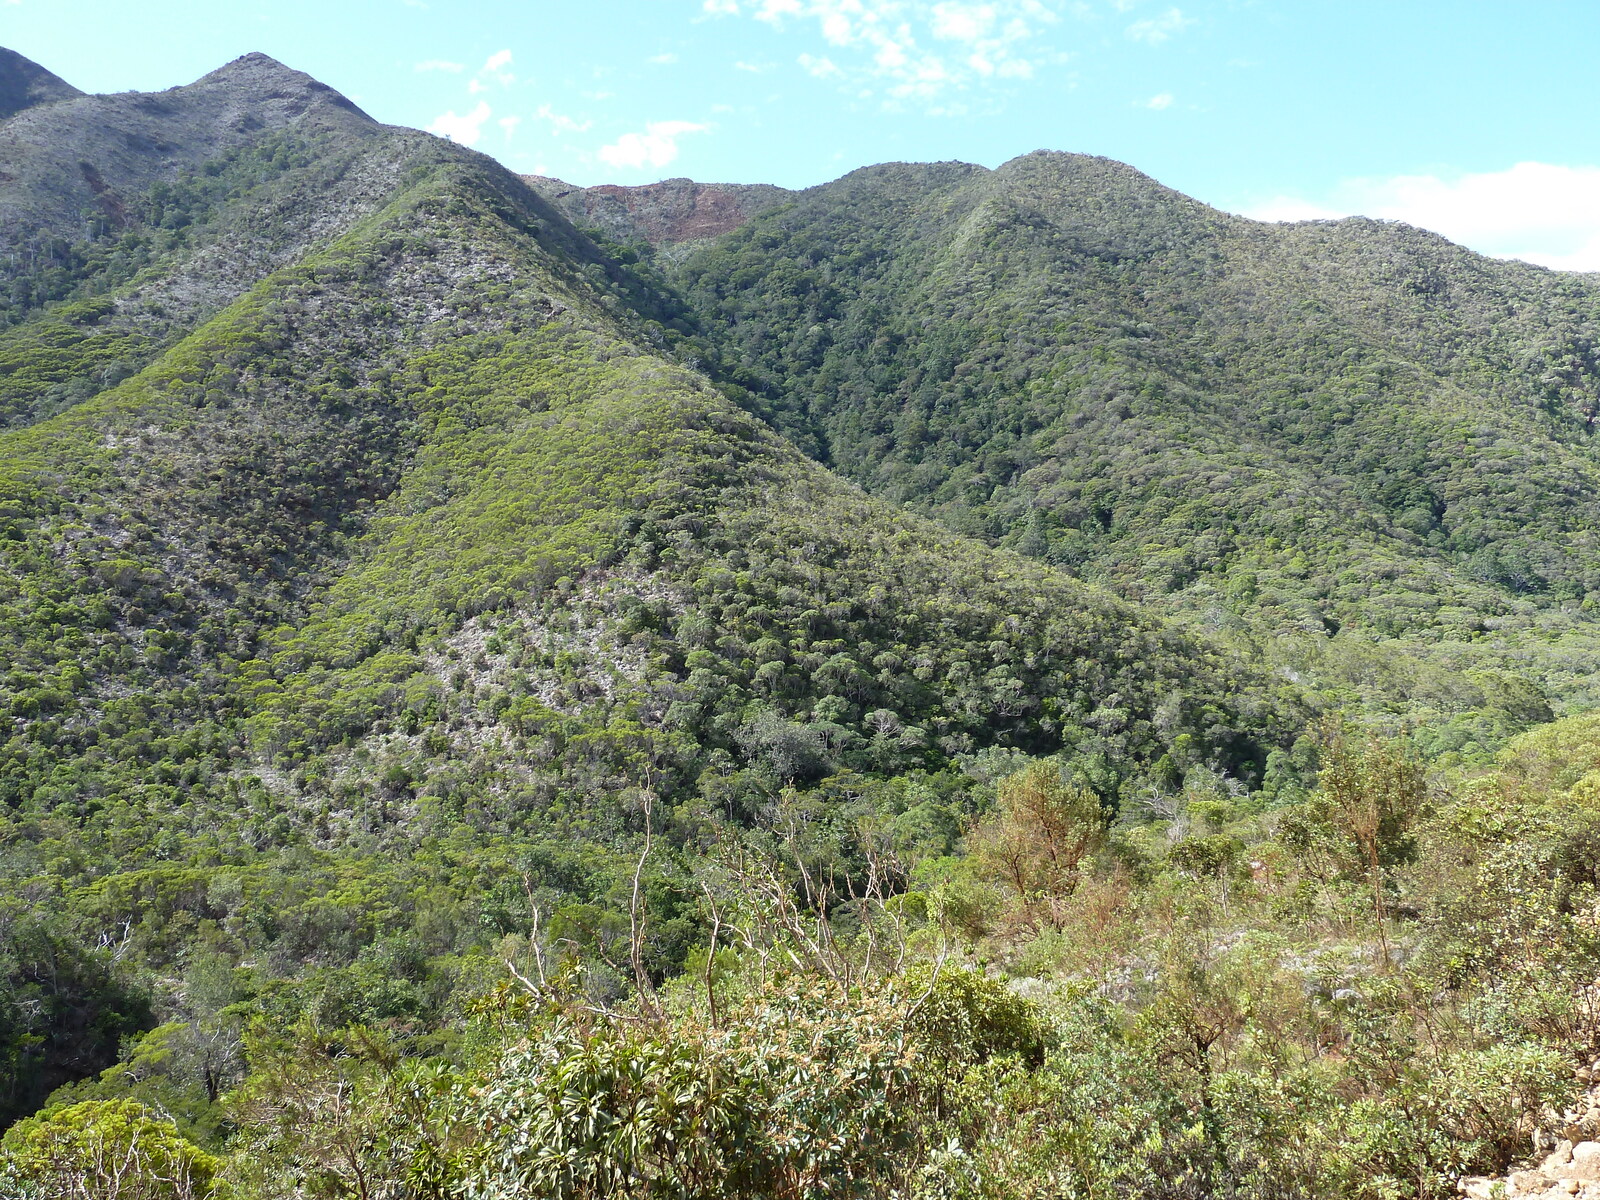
x,y
108,1150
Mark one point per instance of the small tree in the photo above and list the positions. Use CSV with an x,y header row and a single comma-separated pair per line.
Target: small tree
x,y
341,1115
1358,825
1038,837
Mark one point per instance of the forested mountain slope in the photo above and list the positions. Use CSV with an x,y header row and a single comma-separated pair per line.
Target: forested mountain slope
x,y
1286,430
361,535
508,689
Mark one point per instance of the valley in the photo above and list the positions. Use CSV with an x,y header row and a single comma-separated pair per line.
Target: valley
x,y
950,682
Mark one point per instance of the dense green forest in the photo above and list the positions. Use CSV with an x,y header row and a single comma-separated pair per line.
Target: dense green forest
x,y
1282,433
964,684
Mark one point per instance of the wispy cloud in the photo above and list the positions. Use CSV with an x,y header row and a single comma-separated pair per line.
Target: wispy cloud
x,y
1543,213
1155,30
1158,102
664,60
821,66
560,122
913,50
465,129
655,147
493,71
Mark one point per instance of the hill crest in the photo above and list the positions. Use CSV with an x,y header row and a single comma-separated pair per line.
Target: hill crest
x,y
24,83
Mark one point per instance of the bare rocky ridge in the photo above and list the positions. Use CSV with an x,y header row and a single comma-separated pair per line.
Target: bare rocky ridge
x,y
82,156
669,213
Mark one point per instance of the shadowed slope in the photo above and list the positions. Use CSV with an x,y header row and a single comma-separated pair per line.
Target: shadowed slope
x,y
445,425
24,83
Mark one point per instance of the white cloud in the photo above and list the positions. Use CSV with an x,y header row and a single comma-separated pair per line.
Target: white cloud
x,y
464,129
509,124
776,10
1161,100
1289,208
492,71
755,68
655,147
900,51
561,123
1542,213
1156,30
963,22
664,59
439,64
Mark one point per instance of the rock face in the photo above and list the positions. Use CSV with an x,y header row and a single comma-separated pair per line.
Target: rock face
x,y
24,83
1570,1168
668,213
82,155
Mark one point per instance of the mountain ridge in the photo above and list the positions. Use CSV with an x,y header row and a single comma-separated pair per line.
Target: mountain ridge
x,y
24,83
667,213
219,493
1062,355
77,160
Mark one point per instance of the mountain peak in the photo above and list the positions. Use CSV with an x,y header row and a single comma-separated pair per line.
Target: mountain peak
x,y
256,78
254,65
24,83
97,153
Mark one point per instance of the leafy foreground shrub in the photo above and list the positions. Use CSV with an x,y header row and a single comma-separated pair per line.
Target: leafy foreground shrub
x,y
798,1088
103,1150
802,1093
927,1084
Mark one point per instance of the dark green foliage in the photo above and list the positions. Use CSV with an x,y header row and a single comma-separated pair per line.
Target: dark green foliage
x,y
51,364
1285,431
64,1010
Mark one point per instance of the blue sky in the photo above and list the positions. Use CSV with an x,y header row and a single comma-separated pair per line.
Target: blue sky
x,y
1475,118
